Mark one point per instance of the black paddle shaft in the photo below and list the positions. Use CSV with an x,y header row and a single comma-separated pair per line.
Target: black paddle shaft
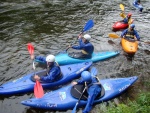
x,y
81,96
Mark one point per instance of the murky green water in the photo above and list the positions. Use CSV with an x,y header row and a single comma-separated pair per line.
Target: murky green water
x,y
51,26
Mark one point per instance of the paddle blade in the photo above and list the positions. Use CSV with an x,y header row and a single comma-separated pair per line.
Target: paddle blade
x,y
88,25
38,90
130,21
94,71
122,7
111,35
122,15
30,48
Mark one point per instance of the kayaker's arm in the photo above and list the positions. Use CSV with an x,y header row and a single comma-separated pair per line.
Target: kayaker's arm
x,y
136,35
124,33
50,76
80,46
77,82
40,58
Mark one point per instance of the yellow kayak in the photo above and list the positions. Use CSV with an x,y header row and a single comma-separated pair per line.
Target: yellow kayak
x,y
129,47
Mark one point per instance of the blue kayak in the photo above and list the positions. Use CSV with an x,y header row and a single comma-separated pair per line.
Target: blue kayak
x,y
63,58
138,6
26,83
65,98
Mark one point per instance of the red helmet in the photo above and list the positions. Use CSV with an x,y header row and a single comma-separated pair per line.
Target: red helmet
x,y
129,14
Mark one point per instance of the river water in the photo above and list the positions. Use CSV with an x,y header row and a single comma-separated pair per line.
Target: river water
x,y
51,25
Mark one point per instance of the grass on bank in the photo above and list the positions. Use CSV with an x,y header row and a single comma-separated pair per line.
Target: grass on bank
x,y
140,105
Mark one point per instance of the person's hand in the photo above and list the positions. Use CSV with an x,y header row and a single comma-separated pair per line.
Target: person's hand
x,y
74,83
69,46
135,39
80,36
32,57
36,77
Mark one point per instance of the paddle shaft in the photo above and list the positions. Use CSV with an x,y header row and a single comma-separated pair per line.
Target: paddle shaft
x,y
74,110
111,35
38,89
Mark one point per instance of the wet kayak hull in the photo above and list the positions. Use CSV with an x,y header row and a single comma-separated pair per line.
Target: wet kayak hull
x,y
118,26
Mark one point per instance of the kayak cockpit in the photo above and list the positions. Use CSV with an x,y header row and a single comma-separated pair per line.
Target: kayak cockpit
x,y
77,90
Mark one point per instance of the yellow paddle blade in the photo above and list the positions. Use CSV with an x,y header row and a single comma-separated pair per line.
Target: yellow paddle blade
x,y
122,15
130,21
112,35
122,7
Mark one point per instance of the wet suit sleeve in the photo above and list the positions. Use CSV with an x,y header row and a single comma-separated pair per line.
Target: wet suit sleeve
x,y
125,20
124,33
137,35
80,46
136,2
80,82
51,76
40,58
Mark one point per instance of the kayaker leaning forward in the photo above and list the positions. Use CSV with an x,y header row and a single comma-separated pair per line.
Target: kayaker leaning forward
x,y
84,45
127,18
130,34
92,88
53,69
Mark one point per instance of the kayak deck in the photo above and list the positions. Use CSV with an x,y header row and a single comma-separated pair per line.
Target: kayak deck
x,y
129,46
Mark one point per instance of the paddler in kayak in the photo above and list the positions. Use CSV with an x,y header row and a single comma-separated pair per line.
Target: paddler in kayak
x,y
85,46
127,18
130,34
92,88
53,69
137,3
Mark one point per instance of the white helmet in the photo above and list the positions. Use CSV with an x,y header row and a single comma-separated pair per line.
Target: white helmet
x,y
50,58
87,37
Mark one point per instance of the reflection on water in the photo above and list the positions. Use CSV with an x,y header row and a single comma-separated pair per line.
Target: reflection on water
x,y
51,26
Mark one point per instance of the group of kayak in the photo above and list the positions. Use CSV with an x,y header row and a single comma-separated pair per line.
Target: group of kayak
x,y
64,68
129,36
70,96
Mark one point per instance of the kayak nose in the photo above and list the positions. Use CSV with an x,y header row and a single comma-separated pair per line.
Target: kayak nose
x,y
134,78
26,102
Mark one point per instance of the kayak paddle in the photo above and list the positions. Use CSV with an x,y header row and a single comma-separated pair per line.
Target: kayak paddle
x,y
93,73
75,107
87,26
123,15
122,7
112,35
38,89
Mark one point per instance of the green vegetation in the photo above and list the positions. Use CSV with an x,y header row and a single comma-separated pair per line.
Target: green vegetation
x,y
140,105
